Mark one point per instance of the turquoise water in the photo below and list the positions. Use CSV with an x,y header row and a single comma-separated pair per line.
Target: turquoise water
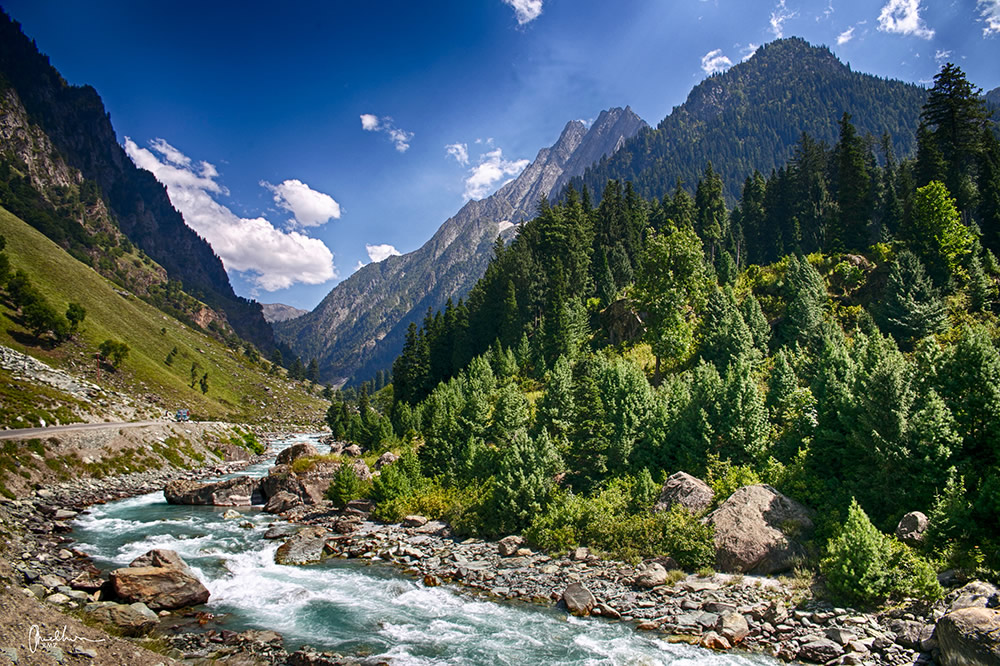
x,y
350,607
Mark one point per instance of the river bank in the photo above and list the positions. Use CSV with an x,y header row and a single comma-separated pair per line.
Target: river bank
x,y
759,615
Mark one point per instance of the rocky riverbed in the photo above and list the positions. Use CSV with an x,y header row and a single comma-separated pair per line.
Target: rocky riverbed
x,y
769,615
757,614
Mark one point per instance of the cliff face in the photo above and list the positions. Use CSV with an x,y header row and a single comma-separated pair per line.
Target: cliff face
x,y
75,121
359,326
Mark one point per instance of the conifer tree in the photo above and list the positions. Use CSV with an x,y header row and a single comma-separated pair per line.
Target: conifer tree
x,y
911,308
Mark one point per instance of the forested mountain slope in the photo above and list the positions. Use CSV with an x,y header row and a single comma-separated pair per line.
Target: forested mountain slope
x,y
79,128
752,115
359,327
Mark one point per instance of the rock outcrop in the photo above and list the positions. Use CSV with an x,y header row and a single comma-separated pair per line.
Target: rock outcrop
x,y
756,531
970,637
237,491
161,580
690,492
309,485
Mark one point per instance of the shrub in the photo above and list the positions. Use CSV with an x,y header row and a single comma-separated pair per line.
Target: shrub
x,y
866,566
114,352
346,486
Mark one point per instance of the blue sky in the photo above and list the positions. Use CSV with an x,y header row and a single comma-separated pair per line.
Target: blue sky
x,y
303,139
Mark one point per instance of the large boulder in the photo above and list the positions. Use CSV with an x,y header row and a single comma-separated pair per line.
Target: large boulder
x,y
690,492
304,547
237,491
386,458
650,575
294,452
911,528
309,485
578,599
161,580
281,502
756,531
969,637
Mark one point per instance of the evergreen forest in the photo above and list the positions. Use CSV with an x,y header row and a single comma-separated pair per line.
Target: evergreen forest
x,y
832,334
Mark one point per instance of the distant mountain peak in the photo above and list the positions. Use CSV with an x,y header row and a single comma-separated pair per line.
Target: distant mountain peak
x,y
280,312
359,326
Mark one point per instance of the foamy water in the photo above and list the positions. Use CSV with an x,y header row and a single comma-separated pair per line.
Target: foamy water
x,y
352,607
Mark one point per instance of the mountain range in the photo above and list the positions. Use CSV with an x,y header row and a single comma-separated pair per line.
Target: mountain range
x,y
752,115
75,122
359,327
749,117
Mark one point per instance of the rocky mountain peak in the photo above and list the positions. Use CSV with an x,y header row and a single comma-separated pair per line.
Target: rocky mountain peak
x,y
359,326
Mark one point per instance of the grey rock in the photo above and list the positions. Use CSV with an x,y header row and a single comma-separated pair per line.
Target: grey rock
x,y
757,530
690,492
131,619
911,528
819,651
306,546
509,545
236,491
969,637
733,627
977,594
385,459
578,599
650,575
281,502
294,452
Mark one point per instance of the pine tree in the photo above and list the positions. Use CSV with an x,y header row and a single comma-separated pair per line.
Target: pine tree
x,y
854,194
911,308
957,113
944,242
712,219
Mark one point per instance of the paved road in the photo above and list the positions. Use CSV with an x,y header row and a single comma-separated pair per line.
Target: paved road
x,y
24,433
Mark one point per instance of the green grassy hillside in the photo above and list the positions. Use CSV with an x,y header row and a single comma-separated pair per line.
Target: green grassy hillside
x,y
238,389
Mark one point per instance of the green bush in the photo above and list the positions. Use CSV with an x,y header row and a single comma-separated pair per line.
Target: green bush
x,y
863,565
346,486
609,522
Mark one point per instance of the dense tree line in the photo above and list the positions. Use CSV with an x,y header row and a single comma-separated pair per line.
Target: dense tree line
x,y
833,334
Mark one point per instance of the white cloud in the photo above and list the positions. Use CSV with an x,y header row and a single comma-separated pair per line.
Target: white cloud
x,y
526,11
845,36
459,151
903,17
381,251
942,54
269,258
359,266
750,49
492,168
778,17
309,207
372,123
714,61
990,11
171,154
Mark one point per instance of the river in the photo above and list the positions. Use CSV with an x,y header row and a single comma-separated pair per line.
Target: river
x,y
352,607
